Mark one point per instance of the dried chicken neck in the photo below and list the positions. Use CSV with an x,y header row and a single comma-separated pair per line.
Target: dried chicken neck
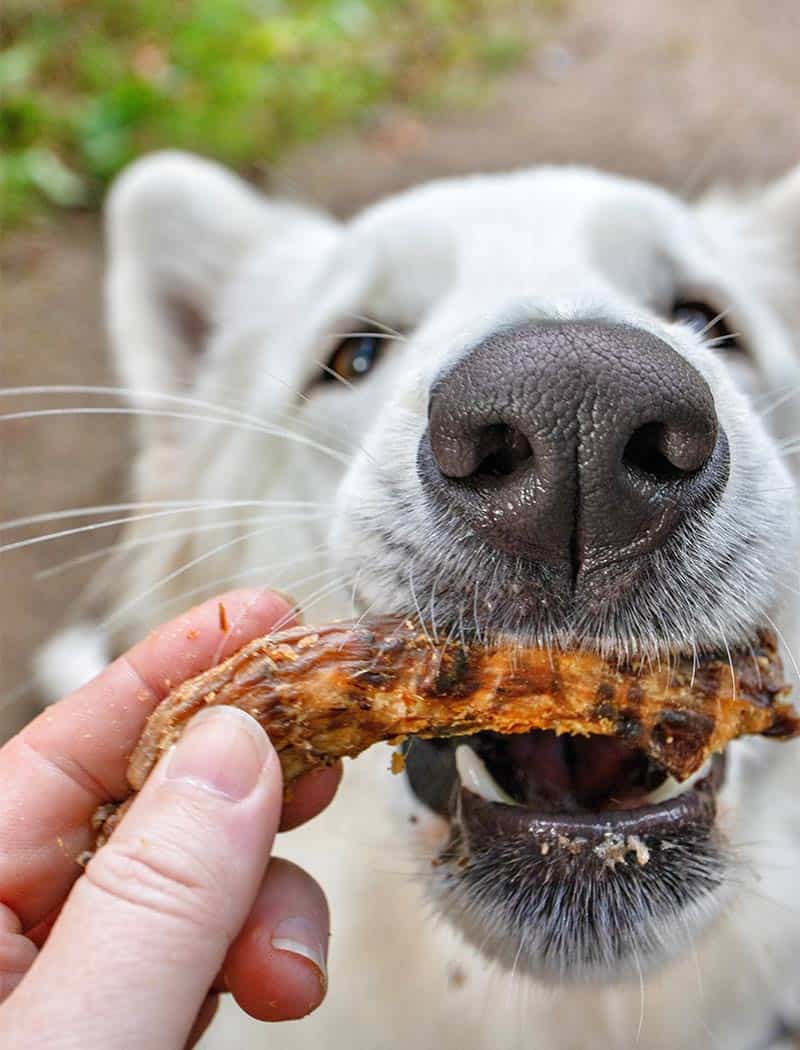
x,y
331,692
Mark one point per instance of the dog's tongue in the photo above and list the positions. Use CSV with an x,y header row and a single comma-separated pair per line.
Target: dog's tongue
x,y
576,772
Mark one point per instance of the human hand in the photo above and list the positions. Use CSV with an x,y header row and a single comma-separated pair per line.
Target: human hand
x,y
177,906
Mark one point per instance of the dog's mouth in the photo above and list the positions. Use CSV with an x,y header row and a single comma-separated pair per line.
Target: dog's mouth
x,y
617,749
584,789
568,858
570,846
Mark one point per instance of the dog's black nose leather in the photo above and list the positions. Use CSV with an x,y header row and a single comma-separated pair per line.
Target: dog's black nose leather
x,y
578,444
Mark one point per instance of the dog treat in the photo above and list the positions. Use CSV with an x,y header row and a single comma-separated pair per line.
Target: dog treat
x,y
329,692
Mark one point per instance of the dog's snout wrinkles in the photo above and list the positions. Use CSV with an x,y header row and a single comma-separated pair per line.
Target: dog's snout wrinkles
x,y
578,444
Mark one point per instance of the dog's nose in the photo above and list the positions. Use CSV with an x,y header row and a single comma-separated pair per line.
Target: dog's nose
x,y
578,444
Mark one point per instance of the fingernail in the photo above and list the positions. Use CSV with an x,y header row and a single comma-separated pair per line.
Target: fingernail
x,y
299,936
222,751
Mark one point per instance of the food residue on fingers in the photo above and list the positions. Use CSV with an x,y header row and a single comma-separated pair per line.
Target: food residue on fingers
x,y
223,617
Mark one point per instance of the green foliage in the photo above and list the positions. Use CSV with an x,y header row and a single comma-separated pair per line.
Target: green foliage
x,y
87,85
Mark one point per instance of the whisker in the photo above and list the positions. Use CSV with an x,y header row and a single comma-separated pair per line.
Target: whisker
x,y
138,395
303,606
299,607
320,427
695,663
780,635
714,320
121,610
343,428
380,324
420,617
302,395
720,339
432,601
353,445
129,393
157,537
234,406
289,615
362,335
34,540
113,508
220,581
83,512
366,612
475,615
27,686
781,399
105,390
640,1027
261,428
730,660
334,374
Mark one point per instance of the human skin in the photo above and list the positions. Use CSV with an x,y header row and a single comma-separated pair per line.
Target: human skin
x,y
180,905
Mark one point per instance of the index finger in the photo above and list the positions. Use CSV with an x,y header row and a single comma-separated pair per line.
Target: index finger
x,y
74,756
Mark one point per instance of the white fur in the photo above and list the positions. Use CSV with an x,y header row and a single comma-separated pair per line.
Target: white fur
x,y
269,287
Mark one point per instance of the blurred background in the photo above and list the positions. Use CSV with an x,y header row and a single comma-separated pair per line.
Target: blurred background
x,y
334,102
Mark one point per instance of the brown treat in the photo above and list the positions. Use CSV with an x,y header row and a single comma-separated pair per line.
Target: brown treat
x,y
333,691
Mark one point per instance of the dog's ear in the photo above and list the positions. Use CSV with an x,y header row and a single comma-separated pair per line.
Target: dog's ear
x,y
178,229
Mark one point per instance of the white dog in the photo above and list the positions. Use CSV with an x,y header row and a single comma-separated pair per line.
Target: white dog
x,y
543,403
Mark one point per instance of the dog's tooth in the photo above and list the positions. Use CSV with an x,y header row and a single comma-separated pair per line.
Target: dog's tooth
x,y
672,788
477,778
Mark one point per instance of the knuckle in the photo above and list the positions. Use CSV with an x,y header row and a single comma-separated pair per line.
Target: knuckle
x,y
163,878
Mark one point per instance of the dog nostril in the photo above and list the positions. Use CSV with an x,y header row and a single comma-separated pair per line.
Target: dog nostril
x,y
501,451
666,454
644,455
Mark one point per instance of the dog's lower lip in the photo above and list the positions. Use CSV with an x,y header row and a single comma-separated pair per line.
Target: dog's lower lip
x,y
697,806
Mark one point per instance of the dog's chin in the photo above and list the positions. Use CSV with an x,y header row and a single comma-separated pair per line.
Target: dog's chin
x,y
571,859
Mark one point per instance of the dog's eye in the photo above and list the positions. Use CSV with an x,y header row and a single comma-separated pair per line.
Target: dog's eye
x,y
354,357
708,323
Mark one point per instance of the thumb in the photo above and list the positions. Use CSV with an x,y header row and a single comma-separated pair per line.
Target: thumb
x,y
143,934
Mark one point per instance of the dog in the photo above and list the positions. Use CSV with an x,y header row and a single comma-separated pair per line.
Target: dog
x,y
555,404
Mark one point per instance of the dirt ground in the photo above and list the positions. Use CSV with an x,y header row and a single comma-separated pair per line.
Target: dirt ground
x,y
684,93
